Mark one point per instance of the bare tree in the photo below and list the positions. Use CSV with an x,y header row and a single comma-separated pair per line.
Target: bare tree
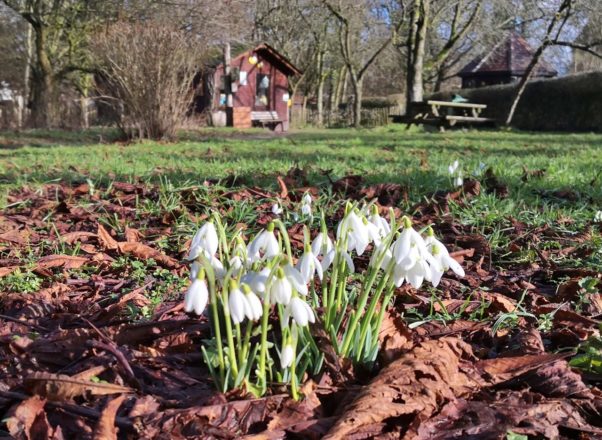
x,y
557,20
147,68
382,20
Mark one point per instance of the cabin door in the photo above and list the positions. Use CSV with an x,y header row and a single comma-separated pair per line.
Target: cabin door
x,y
262,92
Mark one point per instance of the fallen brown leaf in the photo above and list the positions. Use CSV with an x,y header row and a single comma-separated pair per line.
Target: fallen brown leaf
x,y
64,261
105,428
63,387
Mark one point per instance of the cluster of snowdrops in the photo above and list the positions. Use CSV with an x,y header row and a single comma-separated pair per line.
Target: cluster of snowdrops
x,y
261,296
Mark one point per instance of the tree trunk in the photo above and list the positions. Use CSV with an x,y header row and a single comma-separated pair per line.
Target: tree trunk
x,y
416,48
228,86
357,100
43,87
320,90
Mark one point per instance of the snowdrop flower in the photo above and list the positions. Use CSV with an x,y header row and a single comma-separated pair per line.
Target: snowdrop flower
x,y
205,241
276,209
384,252
306,200
296,279
257,281
322,244
598,216
407,241
381,224
306,210
196,296
300,311
287,355
309,265
353,227
243,305
453,167
459,181
236,265
330,256
264,245
195,267
281,289
442,258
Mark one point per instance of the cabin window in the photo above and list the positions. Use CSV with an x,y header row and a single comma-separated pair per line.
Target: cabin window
x,y
263,90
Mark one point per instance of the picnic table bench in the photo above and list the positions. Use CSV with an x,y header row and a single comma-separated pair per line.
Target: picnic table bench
x,y
266,118
445,114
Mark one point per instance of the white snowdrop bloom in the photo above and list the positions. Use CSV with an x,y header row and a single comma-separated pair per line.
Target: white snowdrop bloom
x,y
255,309
281,289
598,216
306,200
309,265
264,245
218,268
381,224
356,231
453,167
384,252
441,256
195,267
374,233
196,297
418,273
330,256
257,281
301,312
236,265
296,279
204,241
321,245
287,355
276,209
306,210
408,239
459,181
238,304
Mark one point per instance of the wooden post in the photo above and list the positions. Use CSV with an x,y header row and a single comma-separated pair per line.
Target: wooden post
x,y
228,86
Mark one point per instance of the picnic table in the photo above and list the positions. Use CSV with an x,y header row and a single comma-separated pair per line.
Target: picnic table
x,y
445,114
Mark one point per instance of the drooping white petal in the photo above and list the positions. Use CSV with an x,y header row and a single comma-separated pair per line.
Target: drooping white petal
x,y
256,280
301,312
281,291
401,247
318,267
349,262
238,305
195,267
255,307
287,355
206,240
454,265
276,209
296,279
271,246
328,259
415,275
196,297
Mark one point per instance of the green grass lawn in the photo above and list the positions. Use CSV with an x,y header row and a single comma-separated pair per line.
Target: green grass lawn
x,y
415,159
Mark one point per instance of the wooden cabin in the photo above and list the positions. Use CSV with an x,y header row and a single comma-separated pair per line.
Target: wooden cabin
x,y
504,64
260,90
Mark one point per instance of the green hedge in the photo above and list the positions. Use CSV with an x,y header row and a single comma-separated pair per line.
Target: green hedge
x,y
570,103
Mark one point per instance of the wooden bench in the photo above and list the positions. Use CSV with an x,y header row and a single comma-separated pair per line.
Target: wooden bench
x,y
444,114
266,118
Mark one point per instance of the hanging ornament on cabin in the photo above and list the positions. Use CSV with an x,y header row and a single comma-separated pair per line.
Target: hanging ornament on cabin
x,y
253,60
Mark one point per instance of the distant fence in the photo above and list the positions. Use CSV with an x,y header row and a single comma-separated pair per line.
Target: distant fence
x,y
570,103
371,117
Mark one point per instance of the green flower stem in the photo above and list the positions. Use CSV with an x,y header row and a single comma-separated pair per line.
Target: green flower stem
x,y
370,312
217,329
230,337
246,344
362,304
221,231
264,344
285,238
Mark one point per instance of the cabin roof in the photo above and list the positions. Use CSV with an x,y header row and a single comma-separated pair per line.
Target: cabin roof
x,y
510,56
263,49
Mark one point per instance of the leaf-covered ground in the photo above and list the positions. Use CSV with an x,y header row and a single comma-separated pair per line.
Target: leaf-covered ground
x,y
95,343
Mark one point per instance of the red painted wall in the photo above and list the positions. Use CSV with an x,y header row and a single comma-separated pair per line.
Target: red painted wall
x,y
245,94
